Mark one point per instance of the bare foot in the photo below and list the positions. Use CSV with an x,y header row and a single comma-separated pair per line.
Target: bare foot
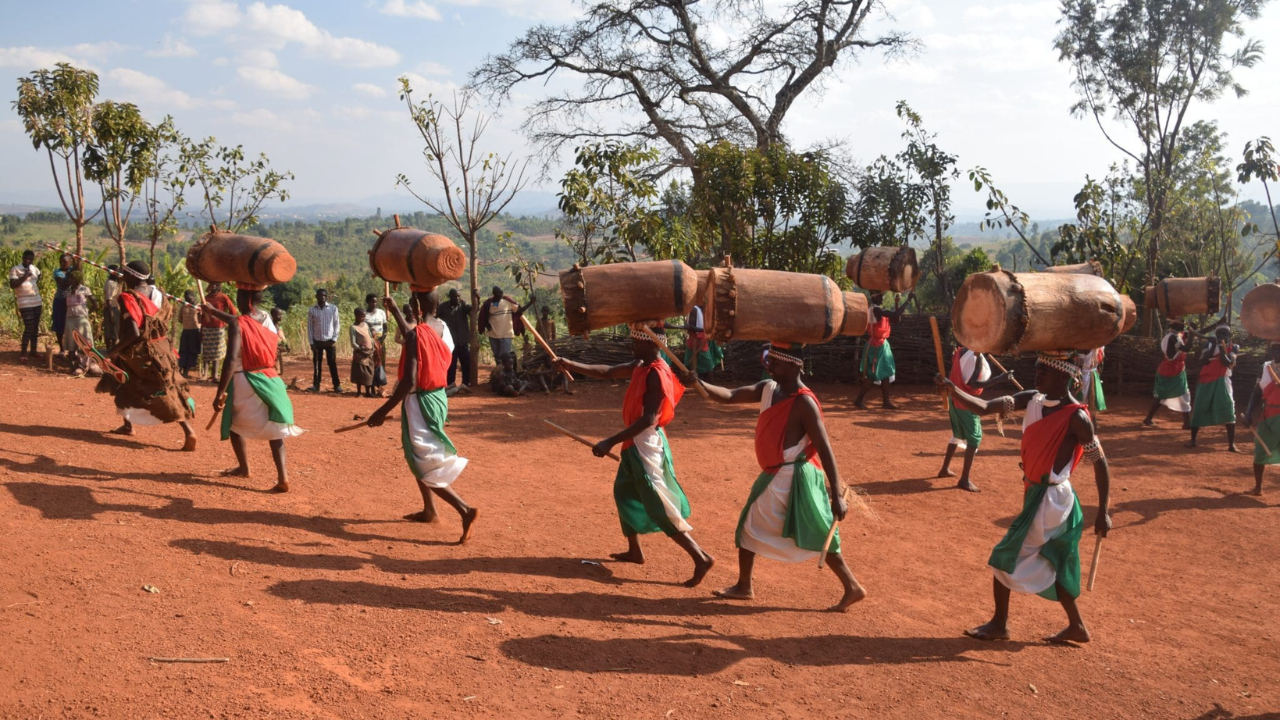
x,y
422,516
967,485
700,570
637,558
1232,448
860,405
189,445
235,472
733,592
468,520
946,473
889,406
990,631
851,596
1189,443
280,487
125,429
1073,634
1257,492
1148,423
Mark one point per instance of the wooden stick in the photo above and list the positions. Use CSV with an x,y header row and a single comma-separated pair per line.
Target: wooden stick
x,y
546,348
189,660
1093,568
653,337
937,350
212,419
831,534
1255,434
579,438
1000,367
357,426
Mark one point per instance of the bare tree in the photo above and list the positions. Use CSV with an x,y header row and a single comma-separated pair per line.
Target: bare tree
x,y
682,73
476,185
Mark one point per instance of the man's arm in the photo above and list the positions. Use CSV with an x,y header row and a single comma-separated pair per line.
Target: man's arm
x,y
16,280
736,396
977,384
977,405
404,385
1082,429
311,330
521,308
1255,405
652,406
811,419
599,372
217,314
335,325
233,346
898,310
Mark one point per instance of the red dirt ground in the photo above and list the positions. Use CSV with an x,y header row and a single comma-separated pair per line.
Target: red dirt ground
x,y
329,606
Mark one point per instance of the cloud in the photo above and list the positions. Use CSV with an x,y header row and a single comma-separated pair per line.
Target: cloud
x,y
260,118
433,68
172,48
359,112
417,9
284,25
212,17
274,82
424,86
96,51
142,88
257,57
31,58
370,89
1013,11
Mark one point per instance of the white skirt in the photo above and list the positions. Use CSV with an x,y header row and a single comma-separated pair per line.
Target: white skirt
x,y
434,464
1033,574
649,447
1180,404
138,416
250,417
762,528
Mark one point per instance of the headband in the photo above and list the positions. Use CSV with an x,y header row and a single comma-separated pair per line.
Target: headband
x,y
1066,367
776,353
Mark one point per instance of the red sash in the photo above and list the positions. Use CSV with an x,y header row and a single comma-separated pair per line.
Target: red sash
x,y
957,374
771,433
1172,367
258,346
1216,368
1270,395
879,331
433,359
1041,441
137,306
633,402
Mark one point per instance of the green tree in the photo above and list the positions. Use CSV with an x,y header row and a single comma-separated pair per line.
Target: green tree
x,y
605,200
936,170
232,187
164,188
120,160
1260,162
56,107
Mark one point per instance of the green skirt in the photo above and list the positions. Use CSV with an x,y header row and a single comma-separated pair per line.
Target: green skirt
x,y
1061,552
1214,404
1269,432
1167,388
877,363
707,359
966,426
808,517
648,504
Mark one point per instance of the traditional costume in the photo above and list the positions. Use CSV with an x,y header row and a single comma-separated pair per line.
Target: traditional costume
x,y
966,427
364,355
257,405
788,514
153,393
1042,548
1171,375
432,457
700,347
877,358
1091,379
1215,401
1268,429
648,496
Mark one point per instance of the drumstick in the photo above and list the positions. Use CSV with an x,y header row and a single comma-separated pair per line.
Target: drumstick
x,y
357,426
547,349
937,350
1097,555
1256,436
213,419
653,337
579,438
822,558
1000,367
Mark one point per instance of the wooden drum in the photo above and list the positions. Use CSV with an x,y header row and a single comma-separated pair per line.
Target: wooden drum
x,y
1176,297
224,257
1260,312
599,296
774,305
1093,267
884,268
856,317
999,312
422,259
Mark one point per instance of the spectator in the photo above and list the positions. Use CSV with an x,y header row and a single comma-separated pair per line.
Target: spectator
x,y
282,347
457,317
547,325
80,301
363,354
376,318
503,380
190,343
213,332
61,279
24,280
499,317
322,333
111,306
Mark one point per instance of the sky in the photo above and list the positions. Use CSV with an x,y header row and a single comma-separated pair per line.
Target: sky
x,y
314,85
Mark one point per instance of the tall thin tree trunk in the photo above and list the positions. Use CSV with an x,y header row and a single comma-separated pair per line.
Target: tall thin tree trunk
x,y
475,313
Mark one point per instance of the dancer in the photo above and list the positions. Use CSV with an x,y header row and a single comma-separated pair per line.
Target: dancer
x,y
790,509
971,373
648,495
1264,404
878,367
154,393
697,346
424,409
1215,402
251,394
1171,375
1090,363
1040,554
213,332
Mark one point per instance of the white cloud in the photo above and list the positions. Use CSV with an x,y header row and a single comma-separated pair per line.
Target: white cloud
x,y
417,9
424,86
96,51
257,57
274,82
370,89
260,118
31,58
151,92
212,17
10,126
1013,11
433,68
284,25
359,112
171,47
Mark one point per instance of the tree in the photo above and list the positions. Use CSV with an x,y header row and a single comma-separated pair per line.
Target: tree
x,y
889,206
936,170
232,188
476,185
56,107
1001,213
1260,162
605,202
164,188
683,74
1144,63
120,160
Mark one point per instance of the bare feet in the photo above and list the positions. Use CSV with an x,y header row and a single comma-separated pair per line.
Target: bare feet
x,y
235,472
629,557
967,485
189,445
860,405
1257,492
125,429
733,592
280,487
1073,634
989,631
468,520
1189,443
1149,423
889,406
700,570
1233,448
851,596
946,473
422,516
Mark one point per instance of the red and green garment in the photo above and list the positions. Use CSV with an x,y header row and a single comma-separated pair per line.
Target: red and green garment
x,y
645,490
1171,377
1215,402
788,513
707,351
877,357
966,427
430,453
1091,379
258,405
1041,550
1268,429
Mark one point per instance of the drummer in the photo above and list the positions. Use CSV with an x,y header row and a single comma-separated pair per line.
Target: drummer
x,y
1264,405
878,367
971,373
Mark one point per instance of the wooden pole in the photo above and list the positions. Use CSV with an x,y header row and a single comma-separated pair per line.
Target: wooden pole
x,y
1255,434
1000,367
546,348
357,426
1093,568
653,337
831,534
579,438
937,351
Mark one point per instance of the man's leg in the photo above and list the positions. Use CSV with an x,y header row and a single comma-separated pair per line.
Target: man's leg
x,y
453,368
282,473
331,353
853,592
1258,471
1151,414
633,554
997,628
1076,631
189,442
1194,431
865,385
242,457
466,512
1186,420
1231,437
428,512
946,461
702,561
965,482
464,357
884,395
316,365
742,589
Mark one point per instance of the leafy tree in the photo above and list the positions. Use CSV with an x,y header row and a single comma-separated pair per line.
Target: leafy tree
x,y
605,202
936,170
1260,162
889,209
164,188
1001,213
120,160
56,107
232,187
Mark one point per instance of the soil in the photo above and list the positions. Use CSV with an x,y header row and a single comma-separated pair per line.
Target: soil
x,y
328,605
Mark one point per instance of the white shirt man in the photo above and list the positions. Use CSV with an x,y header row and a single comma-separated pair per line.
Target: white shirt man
x,y
322,323
27,293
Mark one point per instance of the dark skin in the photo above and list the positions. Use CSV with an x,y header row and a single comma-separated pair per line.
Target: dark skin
x,y
28,265
894,316
1221,338
1254,412
406,384
645,352
966,483
1182,343
805,421
246,302
366,390
1054,385
131,334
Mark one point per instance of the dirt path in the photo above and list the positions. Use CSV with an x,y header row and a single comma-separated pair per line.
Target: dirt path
x,y
329,606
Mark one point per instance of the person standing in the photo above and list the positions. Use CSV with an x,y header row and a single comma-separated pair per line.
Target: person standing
x,y
62,280
79,302
1171,375
878,367
1215,402
457,317
24,280
213,332
547,325
282,345
189,342
111,306
1264,405
500,319
363,354
971,373
322,333
376,318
